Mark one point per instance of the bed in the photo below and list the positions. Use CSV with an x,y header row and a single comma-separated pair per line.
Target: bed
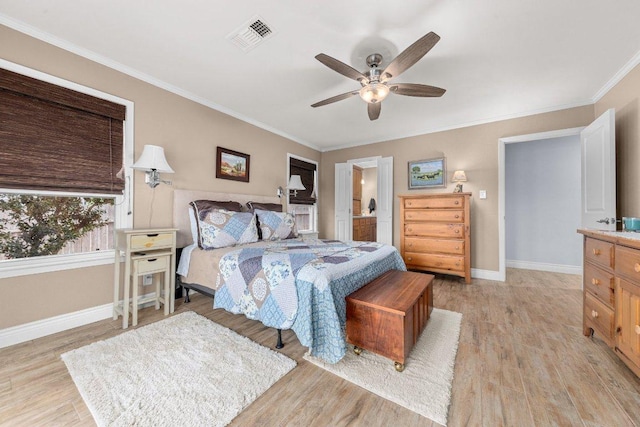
x,y
282,281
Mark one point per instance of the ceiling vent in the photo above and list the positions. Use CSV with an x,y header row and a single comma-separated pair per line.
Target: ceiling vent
x,y
251,33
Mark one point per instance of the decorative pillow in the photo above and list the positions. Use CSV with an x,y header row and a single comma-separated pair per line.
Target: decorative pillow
x,y
276,225
274,207
203,207
252,206
221,228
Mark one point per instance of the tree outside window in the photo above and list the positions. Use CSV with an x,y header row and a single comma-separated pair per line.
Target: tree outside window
x,y
35,225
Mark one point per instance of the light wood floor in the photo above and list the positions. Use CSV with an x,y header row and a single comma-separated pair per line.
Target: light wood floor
x,y
522,361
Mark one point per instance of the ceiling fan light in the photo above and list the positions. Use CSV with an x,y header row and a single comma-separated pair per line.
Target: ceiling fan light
x,y
374,92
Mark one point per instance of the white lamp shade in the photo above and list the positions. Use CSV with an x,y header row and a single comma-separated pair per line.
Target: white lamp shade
x,y
152,158
459,176
295,183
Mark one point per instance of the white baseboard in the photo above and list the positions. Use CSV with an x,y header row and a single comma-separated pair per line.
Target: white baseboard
x,y
541,266
477,273
41,328
52,325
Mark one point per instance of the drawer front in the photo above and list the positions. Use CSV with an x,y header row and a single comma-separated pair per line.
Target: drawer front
x,y
599,252
150,265
600,283
417,244
444,215
151,241
434,203
599,316
442,262
434,230
628,263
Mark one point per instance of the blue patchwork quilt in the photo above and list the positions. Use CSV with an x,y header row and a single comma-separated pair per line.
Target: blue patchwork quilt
x,y
302,285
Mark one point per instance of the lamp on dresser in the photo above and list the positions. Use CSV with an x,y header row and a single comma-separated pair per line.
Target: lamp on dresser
x,y
459,177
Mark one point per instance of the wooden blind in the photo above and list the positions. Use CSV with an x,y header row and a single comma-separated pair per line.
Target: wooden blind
x,y
54,138
305,170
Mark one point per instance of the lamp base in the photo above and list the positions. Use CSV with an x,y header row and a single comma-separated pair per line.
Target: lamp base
x,y
458,188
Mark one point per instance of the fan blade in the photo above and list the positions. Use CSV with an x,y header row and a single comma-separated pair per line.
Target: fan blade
x,y
335,99
410,55
374,110
412,89
341,67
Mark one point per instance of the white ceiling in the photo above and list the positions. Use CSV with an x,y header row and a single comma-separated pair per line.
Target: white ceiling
x,y
497,58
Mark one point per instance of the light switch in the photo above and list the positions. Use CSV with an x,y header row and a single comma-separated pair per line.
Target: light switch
x,y
483,194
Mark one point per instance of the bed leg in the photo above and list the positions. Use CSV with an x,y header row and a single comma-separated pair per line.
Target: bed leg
x,y
279,343
186,294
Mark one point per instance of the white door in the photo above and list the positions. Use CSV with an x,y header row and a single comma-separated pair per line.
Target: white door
x,y
599,173
384,208
343,202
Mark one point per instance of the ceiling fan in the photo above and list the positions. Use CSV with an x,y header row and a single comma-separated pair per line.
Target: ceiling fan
x,y
375,84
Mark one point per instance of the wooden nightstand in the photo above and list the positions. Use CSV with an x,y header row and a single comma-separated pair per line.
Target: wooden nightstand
x,y
146,251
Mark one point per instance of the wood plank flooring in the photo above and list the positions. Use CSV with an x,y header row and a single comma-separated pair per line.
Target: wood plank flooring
x,y
522,361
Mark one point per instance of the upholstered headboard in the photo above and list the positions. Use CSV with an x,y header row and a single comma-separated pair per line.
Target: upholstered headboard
x,y
182,198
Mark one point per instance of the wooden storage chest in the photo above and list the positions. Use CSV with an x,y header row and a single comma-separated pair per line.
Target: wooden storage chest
x,y
388,315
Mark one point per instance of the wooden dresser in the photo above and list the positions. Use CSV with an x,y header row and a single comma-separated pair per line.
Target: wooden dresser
x,y
611,277
435,233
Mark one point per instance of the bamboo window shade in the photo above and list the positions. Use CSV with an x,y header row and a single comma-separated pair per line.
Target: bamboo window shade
x,y
305,170
57,139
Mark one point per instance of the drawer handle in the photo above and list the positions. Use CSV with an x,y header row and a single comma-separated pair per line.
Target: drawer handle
x,y
410,244
457,231
594,314
637,329
636,268
595,281
457,202
596,252
409,258
457,216
152,259
152,235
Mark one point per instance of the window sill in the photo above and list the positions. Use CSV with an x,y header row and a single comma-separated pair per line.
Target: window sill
x,y
47,264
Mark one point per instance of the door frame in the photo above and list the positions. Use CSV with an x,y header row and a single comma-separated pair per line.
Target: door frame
x,y
502,249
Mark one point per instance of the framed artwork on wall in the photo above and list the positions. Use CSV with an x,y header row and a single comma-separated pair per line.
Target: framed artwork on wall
x,y
428,173
232,165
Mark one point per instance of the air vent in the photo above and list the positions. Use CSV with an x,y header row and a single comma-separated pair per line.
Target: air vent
x,y
251,33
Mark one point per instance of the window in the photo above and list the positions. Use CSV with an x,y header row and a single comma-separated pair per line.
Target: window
x,y
63,148
303,203
34,225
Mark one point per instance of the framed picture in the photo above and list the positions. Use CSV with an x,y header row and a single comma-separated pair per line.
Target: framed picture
x,y
429,173
232,165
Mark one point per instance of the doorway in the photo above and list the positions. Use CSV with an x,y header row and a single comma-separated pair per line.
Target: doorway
x,y
383,200
542,205
502,143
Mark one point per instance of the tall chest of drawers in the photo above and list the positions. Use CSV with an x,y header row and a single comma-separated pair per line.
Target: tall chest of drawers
x,y
435,233
611,308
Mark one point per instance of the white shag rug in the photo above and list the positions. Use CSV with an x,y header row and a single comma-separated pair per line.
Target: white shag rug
x,y
425,384
181,371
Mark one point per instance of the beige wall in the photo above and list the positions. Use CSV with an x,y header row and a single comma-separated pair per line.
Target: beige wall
x,y
190,134
624,98
473,149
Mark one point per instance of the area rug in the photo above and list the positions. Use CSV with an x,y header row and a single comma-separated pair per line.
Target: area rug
x,y
181,371
425,384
